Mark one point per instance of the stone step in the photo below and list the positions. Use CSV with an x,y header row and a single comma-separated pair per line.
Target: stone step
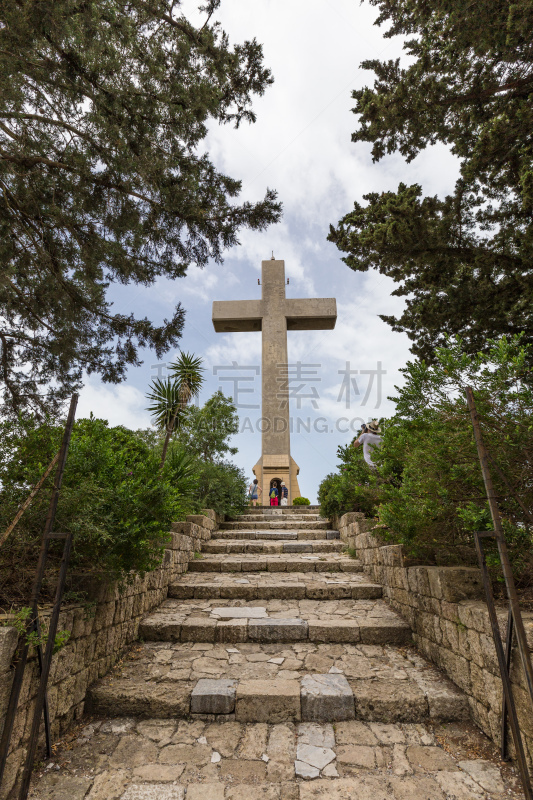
x,y
273,534
279,546
277,524
277,562
271,517
274,621
278,683
286,510
275,586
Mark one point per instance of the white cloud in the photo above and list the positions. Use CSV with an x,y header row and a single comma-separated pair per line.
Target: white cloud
x,y
120,405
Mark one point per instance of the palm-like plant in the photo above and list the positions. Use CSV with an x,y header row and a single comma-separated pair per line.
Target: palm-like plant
x,y
170,397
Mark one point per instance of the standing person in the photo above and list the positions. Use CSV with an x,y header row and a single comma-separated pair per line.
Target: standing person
x,y
284,494
254,492
370,437
274,495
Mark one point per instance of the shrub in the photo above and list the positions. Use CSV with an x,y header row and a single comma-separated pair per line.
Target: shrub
x,y
427,487
222,487
301,501
114,500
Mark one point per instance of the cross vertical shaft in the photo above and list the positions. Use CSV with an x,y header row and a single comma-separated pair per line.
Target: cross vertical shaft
x,y
276,433
274,315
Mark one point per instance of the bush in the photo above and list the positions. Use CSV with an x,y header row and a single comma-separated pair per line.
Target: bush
x,y
427,487
114,500
301,501
222,487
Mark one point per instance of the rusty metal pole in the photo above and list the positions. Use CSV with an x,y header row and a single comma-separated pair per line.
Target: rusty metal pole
x,y
515,616
33,622
502,546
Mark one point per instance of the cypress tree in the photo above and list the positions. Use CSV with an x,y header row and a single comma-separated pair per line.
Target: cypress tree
x,y
105,179
464,262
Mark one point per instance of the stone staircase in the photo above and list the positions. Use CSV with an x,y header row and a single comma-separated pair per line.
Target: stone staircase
x,y
273,623
276,633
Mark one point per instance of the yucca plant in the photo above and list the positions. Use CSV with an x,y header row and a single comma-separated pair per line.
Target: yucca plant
x,y
169,397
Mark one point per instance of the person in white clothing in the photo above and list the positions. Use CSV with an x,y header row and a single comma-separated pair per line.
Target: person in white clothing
x,y
369,437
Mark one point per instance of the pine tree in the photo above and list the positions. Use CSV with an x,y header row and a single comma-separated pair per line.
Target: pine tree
x,y
104,179
465,262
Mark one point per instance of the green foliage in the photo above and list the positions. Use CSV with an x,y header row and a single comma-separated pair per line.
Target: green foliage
x,y
165,401
205,431
301,501
222,487
427,487
105,178
114,499
170,397
462,262
20,620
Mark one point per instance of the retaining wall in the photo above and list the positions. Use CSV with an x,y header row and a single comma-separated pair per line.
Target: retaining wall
x,y
96,643
450,623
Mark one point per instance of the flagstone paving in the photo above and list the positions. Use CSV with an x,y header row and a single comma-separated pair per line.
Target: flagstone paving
x,y
169,759
275,671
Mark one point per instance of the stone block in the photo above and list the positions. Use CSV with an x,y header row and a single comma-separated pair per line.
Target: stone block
x,y
213,697
326,698
8,645
297,547
159,629
247,566
455,584
202,521
277,630
207,565
123,697
239,592
457,668
392,555
384,631
389,701
319,590
232,630
446,702
342,630
198,629
272,701
333,535
367,591
283,591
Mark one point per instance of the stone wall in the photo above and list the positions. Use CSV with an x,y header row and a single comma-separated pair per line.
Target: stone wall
x,y
445,608
97,640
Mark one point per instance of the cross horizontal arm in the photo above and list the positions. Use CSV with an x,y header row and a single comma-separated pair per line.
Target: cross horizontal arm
x,y
311,314
231,316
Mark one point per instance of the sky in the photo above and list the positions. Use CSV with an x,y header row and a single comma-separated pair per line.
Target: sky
x,y
300,146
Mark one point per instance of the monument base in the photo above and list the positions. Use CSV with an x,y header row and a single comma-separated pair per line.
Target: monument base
x,y
280,468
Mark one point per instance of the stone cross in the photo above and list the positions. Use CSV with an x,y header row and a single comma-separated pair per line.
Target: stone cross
x,y
274,315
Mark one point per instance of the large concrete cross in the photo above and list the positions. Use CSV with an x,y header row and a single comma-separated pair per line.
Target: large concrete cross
x,y
274,315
